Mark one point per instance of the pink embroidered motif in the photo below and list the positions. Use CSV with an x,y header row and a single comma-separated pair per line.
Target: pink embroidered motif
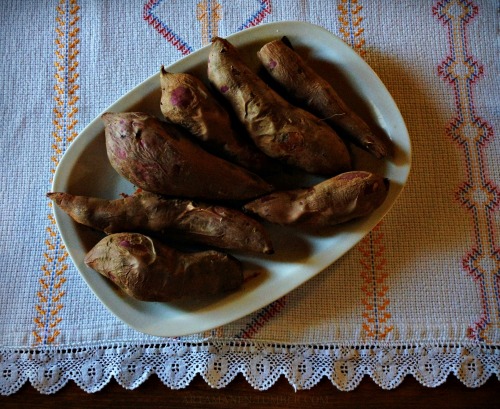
x,y
258,16
261,318
478,193
209,13
163,29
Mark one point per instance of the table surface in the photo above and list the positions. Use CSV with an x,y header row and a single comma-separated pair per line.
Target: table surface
x,y
410,394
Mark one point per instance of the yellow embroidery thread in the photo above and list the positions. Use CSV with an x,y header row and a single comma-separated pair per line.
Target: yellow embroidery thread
x,y
374,275
350,25
376,314
209,14
52,281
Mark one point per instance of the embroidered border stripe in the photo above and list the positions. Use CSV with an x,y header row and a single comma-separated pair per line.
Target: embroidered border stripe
x,y
373,272
209,13
478,193
51,282
372,259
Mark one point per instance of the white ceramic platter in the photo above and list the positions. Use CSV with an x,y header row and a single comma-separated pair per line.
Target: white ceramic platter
x,y
84,169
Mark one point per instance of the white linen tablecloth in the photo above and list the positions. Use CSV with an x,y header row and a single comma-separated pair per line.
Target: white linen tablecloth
x,y
419,295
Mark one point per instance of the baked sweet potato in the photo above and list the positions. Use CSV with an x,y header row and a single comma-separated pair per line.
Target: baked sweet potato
x,y
187,102
159,158
336,200
148,270
279,129
180,219
308,88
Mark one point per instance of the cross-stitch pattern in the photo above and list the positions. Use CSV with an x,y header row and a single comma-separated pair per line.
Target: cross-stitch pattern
x,y
478,193
51,293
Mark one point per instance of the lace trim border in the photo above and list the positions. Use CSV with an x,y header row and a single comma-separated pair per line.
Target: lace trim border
x,y
176,363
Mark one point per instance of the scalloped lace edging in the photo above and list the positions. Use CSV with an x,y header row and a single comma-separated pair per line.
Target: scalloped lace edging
x,y
176,363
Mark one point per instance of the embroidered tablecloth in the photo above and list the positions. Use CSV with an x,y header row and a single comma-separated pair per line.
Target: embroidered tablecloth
x,y
418,295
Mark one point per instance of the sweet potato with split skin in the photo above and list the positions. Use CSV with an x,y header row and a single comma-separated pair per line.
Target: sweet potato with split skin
x,y
186,101
308,88
158,158
148,270
336,200
180,219
279,129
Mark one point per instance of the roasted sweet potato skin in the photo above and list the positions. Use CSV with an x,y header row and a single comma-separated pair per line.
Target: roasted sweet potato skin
x,y
187,102
158,158
344,197
177,219
309,89
279,129
148,270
